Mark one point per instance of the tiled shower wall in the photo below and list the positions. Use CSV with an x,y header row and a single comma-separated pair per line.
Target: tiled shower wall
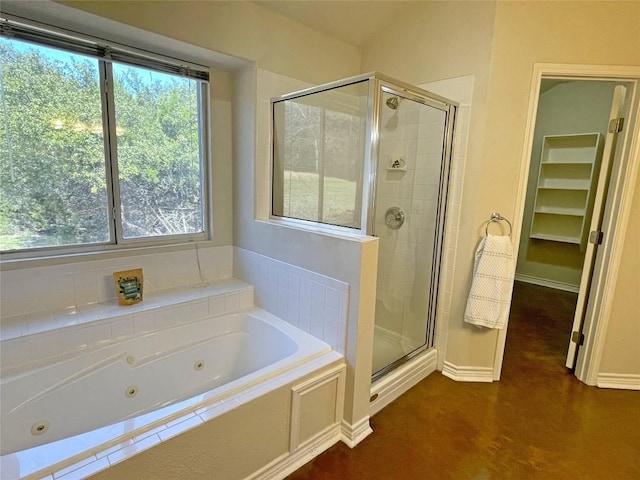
x,y
459,89
312,302
413,133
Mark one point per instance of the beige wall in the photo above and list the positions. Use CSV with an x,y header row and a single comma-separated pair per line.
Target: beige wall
x,y
231,446
242,29
499,43
432,41
621,354
550,32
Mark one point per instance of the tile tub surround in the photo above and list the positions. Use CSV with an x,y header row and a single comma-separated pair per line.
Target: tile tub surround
x,y
26,291
37,338
30,340
317,304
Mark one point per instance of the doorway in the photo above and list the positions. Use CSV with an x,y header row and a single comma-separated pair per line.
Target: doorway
x,y
597,281
540,323
566,162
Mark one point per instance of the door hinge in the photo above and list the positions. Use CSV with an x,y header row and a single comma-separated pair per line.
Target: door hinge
x,y
616,125
596,237
577,338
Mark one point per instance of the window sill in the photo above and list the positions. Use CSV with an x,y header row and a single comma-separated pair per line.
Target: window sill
x,y
10,262
334,231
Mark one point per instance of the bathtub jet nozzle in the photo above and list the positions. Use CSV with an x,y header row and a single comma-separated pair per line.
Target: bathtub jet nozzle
x,y
131,391
40,427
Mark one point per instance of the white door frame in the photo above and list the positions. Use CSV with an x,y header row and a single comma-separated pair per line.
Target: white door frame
x,y
610,163
591,353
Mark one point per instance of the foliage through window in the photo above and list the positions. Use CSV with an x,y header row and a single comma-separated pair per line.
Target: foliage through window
x,y
96,152
318,156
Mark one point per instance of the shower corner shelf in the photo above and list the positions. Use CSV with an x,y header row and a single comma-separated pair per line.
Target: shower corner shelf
x,y
565,189
397,164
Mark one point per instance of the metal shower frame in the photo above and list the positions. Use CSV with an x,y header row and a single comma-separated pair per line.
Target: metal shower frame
x,y
378,84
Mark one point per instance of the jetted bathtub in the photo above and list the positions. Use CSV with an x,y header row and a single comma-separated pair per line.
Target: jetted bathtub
x,y
122,390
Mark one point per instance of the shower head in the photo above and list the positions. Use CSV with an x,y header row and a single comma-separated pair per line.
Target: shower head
x,y
393,103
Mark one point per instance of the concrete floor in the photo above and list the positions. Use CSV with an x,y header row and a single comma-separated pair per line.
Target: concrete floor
x,y
538,422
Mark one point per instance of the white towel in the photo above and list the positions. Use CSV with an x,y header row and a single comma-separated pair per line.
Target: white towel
x,y
493,273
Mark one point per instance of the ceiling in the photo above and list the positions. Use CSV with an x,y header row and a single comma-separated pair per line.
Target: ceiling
x,y
353,22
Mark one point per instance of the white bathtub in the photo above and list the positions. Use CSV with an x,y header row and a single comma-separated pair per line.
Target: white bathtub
x,y
122,390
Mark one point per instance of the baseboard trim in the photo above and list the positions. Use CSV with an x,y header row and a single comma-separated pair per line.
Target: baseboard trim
x,y
289,462
543,282
467,374
351,435
398,381
620,381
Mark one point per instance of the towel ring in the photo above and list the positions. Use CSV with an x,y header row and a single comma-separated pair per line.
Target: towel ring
x,y
496,217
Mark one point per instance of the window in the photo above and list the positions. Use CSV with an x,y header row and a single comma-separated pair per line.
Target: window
x,y
318,156
96,151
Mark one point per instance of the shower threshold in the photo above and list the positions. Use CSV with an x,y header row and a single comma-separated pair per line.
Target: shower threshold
x,y
404,375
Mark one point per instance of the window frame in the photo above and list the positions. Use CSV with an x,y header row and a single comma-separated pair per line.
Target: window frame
x,y
46,36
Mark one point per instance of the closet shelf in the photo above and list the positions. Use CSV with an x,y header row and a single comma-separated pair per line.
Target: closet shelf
x,y
559,187
571,212
565,163
567,177
556,238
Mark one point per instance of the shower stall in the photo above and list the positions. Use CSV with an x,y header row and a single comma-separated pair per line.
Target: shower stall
x,y
373,154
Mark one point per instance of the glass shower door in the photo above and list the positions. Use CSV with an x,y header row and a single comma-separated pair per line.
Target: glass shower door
x,y
410,196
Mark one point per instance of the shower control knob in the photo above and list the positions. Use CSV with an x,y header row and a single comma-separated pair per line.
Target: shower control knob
x,y
394,218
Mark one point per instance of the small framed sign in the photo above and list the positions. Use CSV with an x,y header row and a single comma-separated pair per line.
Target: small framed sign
x,y
128,285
